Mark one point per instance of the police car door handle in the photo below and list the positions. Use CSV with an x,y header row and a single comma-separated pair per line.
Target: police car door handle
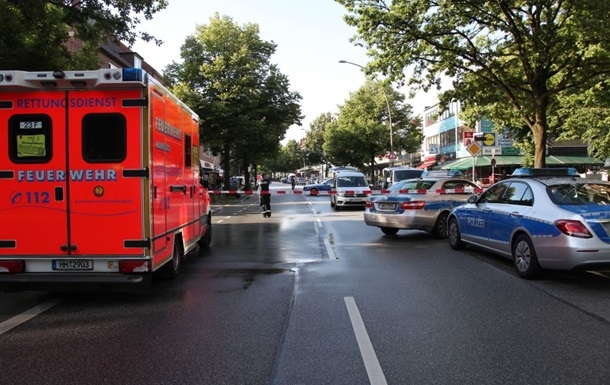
x,y
515,214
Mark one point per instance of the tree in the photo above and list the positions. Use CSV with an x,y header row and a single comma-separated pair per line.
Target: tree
x,y
40,31
314,139
243,100
512,61
361,132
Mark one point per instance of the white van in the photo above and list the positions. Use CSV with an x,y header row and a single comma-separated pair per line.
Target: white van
x,y
392,175
349,188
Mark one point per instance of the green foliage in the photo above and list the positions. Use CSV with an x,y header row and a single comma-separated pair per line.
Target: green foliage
x,y
514,62
36,32
361,132
314,140
243,100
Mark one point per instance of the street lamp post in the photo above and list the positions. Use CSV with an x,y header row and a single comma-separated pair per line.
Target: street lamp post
x,y
387,103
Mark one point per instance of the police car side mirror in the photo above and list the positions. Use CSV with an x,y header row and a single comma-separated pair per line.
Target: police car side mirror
x,y
473,199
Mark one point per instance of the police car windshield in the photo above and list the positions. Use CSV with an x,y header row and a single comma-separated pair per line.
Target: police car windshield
x,y
580,194
351,181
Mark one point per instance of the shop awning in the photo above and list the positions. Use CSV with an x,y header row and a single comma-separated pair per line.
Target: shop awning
x,y
511,160
482,161
426,165
567,160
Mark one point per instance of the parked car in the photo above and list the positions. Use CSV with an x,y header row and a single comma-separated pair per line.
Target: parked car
x,y
418,204
395,174
349,188
540,219
315,188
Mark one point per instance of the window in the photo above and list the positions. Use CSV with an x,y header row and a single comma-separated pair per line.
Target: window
x,y
104,138
494,193
518,194
187,151
30,138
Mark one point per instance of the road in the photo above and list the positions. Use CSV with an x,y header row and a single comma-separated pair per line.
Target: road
x,y
314,296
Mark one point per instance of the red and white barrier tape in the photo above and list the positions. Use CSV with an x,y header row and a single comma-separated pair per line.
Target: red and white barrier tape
x,y
347,192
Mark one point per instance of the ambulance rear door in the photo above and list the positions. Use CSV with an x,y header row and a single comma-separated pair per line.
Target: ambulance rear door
x,y
33,179
107,175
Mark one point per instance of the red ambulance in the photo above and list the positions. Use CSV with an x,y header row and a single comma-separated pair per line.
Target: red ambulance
x,y
99,180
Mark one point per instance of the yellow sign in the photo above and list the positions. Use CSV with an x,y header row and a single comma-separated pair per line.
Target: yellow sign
x,y
489,139
31,145
474,148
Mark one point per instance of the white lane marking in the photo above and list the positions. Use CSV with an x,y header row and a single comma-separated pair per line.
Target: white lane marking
x,y
315,227
320,224
329,250
371,363
29,314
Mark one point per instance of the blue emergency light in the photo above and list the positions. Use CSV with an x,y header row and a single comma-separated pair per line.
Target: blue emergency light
x,y
538,172
133,74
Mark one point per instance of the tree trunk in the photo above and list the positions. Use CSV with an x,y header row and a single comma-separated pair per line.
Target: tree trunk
x,y
226,167
539,130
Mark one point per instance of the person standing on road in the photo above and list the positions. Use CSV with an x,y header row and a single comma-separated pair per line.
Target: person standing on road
x,y
265,195
293,181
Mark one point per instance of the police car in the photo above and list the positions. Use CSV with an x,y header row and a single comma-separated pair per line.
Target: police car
x,y
420,203
539,218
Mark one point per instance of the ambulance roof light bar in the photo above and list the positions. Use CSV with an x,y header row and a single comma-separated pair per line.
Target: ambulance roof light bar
x,y
66,80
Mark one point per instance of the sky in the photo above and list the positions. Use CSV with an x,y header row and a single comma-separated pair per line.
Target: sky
x,y
311,38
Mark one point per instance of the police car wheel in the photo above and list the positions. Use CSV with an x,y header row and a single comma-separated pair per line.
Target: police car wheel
x,y
524,257
455,238
441,230
389,230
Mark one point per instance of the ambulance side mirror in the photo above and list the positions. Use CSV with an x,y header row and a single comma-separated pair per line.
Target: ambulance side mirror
x,y
204,182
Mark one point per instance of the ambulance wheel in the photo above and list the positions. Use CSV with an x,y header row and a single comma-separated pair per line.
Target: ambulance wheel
x,y
173,266
206,240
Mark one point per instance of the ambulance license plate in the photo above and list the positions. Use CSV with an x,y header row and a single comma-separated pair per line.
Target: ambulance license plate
x,y
73,264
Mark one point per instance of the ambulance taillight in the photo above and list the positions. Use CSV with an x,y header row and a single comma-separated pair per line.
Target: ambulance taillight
x,y
12,266
134,266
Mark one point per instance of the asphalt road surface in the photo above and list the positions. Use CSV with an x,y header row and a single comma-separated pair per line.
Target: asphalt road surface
x,y
313,296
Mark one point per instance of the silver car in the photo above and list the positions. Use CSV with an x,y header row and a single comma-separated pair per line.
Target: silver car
x,y
540,220
418,204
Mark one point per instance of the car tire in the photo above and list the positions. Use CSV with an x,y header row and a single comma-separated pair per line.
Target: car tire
x,y
441,227
332,204
206,240
389,230
454,235
524,258
172,268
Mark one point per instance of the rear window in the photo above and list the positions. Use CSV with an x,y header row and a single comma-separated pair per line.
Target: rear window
x,y
30,138
412,185
104,138
580,194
